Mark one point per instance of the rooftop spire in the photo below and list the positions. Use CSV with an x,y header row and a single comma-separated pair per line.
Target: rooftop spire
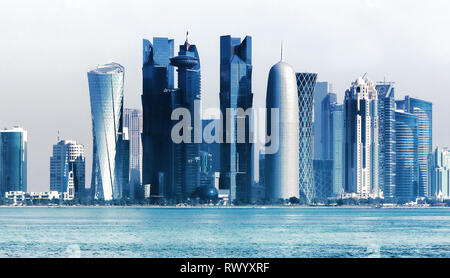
x,y
186,43
281,59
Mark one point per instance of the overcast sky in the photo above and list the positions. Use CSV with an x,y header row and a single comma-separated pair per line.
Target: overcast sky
x,y
46,48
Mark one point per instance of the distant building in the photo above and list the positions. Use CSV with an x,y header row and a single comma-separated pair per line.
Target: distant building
x,y
29,198
323,179
306,83
440,173
236,93
361,139
424,112
111,147
67,169
322,89
132,120
13,160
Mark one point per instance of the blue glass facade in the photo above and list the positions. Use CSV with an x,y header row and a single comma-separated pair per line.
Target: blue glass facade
x,y
13,160
306,82
424,112
325,132
187,155
337,147
406,178
440,173
236,172
157,85
106,95
320,93
386,153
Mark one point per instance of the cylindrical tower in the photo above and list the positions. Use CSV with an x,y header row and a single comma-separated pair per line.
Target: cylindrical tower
x,y
282,167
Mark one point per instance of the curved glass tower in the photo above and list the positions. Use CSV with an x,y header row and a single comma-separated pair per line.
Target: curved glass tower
x,y
306,83
282,167
106,94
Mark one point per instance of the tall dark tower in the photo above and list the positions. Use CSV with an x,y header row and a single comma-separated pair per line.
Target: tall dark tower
x,y
157,85
236,167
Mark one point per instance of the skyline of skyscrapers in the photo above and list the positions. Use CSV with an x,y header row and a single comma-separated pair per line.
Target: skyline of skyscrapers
x,y
371,145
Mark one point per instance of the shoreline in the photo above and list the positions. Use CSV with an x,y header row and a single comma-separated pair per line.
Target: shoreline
x,y
233,207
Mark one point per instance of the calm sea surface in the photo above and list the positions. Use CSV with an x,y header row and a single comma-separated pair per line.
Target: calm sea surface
x,y
252,232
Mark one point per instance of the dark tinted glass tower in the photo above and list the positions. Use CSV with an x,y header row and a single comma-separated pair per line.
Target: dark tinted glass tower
x,y
236,92
386,153
187,155
13,160
157,85
306,83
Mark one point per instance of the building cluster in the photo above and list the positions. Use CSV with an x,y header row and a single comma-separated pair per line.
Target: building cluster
x,y
369,146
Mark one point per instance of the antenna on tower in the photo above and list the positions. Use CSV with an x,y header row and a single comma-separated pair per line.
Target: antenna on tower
x,y
57,137
281,59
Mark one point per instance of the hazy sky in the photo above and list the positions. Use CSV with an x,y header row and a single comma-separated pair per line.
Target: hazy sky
x,y
46,48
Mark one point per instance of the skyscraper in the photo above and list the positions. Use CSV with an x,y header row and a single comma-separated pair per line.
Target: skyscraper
x,y
236,93
407,175
132,120
67,169
320,93
424,112
13,160
440,173
157,84
325,131
282,166
361,138
106,94
306,83
188,96
386,153
337,147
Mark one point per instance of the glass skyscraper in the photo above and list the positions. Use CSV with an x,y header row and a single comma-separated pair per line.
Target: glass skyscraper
x,y
406,179
320,93
337,147
188,95
325,131
13,160
67,169
386,153
236,92
361,139
110,144
132,121
424,112
158,85
306,83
